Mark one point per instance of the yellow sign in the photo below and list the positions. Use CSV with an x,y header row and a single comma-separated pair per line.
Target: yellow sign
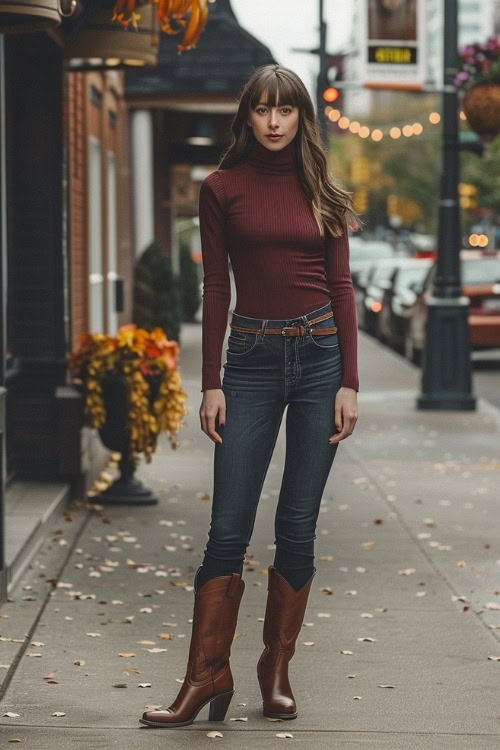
x,y
393,55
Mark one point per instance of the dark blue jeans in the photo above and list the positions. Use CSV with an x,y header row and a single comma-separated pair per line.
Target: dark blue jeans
x,y
263,374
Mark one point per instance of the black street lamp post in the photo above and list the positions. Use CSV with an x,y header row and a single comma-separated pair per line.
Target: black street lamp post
x,y
446,376
322,75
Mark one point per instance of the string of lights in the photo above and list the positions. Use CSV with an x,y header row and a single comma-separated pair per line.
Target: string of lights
x,y
394,131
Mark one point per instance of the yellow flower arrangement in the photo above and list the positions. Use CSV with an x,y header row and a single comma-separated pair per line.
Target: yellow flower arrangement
x,y
139,357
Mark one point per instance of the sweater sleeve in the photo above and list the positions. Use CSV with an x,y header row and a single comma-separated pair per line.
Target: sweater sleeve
x,y
216,282
344,305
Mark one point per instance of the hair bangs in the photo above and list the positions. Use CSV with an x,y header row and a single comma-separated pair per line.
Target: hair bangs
x,y
275,90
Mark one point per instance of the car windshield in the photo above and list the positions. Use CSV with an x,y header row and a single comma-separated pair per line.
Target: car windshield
x,y
481,270
371,252
406,276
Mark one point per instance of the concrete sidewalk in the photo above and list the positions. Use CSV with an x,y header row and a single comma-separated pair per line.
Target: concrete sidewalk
x,y
403,616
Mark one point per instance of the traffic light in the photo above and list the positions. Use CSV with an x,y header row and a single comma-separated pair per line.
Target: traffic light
x,y
360,170
468,196
327,91
392,205
331,94
360,200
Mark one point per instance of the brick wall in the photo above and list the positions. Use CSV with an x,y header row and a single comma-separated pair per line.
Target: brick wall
x,y
96,108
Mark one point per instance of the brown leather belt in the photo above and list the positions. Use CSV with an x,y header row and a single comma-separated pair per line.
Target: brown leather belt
x,y
299,330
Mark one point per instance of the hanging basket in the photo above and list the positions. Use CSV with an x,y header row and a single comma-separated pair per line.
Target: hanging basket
x,y
104,44
19,16
481,106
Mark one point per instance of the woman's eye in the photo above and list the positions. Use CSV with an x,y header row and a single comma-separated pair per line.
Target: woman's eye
x,y
263,109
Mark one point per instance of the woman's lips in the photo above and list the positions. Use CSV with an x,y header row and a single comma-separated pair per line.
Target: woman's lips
x,y
273,137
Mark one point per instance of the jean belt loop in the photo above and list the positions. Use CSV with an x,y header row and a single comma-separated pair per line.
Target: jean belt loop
x,y
263,329
307,326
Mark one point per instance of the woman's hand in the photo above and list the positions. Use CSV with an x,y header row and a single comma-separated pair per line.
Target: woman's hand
x,y
346,414
213,407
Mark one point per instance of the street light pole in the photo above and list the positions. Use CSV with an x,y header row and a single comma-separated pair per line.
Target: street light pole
x,y
446,375
320,86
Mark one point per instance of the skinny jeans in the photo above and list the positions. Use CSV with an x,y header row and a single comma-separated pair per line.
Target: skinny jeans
x,y
263,375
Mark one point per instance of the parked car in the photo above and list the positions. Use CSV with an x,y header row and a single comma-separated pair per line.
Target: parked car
x,y
378,280
481,284
406,280
363,253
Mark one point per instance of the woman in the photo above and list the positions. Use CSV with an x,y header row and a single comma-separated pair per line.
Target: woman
x,y
276,213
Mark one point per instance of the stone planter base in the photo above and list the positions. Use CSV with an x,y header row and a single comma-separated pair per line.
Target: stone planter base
x,y
126,490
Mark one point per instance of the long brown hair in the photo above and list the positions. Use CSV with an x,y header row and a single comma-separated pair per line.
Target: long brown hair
x,y
331,202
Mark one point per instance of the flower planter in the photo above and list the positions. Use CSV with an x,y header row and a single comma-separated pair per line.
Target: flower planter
x,y
481,106
126,490
17,16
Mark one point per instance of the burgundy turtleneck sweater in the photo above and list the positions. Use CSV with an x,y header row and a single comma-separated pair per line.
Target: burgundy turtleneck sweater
x,y
257,215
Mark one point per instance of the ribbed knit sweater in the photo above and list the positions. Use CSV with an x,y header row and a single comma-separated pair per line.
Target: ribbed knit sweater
x,y
257,216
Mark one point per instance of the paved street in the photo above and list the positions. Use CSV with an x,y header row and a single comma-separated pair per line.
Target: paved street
x,y
403,623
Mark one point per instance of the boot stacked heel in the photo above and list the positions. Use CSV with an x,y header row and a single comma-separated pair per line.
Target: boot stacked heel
x,y
208,675
219,706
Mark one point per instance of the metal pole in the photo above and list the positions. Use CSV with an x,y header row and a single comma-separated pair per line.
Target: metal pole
x,y
446,375
3,322
321,80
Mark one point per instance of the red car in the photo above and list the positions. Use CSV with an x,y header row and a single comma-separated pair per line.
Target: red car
x,y
481,284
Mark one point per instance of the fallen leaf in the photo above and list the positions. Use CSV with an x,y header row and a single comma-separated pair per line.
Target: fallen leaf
x,y
356,697
345,651
367,638
308,643
126,654
156,650
284,735
58,713
120,685
494,658
11,715
240,718
385,686
407,571
214,734
15,739
144,684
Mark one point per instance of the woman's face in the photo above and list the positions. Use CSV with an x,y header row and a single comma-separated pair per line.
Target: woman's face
x,y
282,120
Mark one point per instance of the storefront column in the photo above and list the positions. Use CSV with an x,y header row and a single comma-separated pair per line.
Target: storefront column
x,y
142,179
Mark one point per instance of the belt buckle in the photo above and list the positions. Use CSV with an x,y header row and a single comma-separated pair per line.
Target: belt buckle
x,y
301,330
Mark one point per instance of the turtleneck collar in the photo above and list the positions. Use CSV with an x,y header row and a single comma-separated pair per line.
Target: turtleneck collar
x,y
280,162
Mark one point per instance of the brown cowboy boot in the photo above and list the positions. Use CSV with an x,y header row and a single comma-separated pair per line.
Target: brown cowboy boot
x,y
208,675
285,611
